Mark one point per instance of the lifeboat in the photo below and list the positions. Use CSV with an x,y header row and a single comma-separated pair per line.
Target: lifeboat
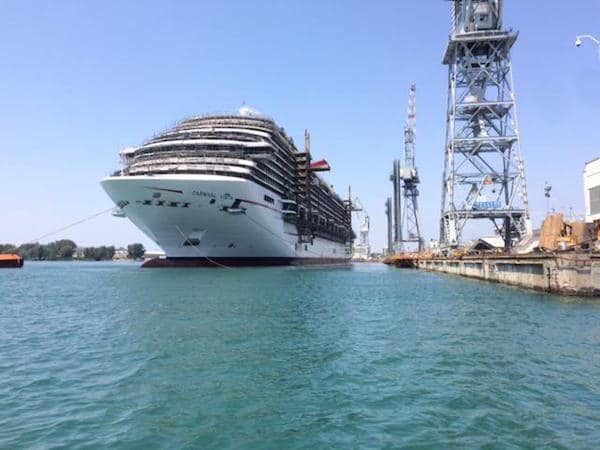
x,y
10,261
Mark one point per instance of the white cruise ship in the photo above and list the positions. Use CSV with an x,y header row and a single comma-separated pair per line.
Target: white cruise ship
x,y
231,190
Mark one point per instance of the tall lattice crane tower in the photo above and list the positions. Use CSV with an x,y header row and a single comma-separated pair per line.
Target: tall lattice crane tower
x,y
484,174
411,225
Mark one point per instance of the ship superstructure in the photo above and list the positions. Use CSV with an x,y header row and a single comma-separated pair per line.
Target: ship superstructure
x,y
232,189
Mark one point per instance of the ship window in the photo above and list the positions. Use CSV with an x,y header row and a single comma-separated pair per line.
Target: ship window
x,y
185,205
173,204
160,203
305,247
191,243
147,202
212,200
269,199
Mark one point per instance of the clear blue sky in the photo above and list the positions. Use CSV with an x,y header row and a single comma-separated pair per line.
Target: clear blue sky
x,y
81,80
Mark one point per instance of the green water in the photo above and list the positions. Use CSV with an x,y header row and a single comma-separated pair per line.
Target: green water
x,y
97,355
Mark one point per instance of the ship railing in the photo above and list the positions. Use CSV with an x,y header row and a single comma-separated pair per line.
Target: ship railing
x,y
235,120
217,118
187,153
194,160
199,168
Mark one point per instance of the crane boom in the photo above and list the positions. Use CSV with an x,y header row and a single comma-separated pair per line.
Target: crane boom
x,y
411,225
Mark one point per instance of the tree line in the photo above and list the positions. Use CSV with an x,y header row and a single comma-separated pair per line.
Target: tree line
x,y
64,249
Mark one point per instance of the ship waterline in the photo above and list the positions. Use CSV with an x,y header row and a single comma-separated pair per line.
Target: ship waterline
x,y
231,189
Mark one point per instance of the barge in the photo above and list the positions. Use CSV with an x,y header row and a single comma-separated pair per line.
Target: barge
x,y
9,261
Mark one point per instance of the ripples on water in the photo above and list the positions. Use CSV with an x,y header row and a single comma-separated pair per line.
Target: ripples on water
x,y
112,355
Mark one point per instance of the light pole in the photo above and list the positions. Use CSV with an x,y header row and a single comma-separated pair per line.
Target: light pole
x,y
547,189
579,41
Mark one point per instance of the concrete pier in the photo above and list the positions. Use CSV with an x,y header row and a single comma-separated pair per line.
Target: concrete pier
x,y
561,273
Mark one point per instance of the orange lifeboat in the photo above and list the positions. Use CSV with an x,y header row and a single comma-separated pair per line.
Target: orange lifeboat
x,y
10,261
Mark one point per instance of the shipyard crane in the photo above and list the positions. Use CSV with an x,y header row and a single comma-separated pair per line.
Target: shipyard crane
x,y
396,209
484,173
362,250
390,226
410,225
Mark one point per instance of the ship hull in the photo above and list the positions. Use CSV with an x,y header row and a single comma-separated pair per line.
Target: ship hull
x,y
208,220
239,262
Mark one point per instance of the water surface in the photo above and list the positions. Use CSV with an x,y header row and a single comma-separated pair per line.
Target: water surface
x,y
108,354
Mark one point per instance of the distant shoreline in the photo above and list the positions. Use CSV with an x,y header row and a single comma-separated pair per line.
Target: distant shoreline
x,y
68,250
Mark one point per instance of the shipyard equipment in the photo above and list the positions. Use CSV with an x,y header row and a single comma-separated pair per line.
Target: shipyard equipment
x,y
405,180
411,225
484,174
362,250
396,180
390,226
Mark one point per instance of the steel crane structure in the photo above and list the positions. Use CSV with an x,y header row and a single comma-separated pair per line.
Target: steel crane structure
x,y
484,174
411,225
405,180
396,180
362,250
390,226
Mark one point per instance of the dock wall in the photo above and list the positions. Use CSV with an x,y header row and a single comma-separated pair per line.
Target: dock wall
x,y
573,275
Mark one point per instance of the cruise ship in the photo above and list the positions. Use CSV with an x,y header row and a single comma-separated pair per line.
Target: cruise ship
x,y
231,190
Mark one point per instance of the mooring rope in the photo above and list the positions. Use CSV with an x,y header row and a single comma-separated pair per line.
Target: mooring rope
x,y
199,254
66,227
